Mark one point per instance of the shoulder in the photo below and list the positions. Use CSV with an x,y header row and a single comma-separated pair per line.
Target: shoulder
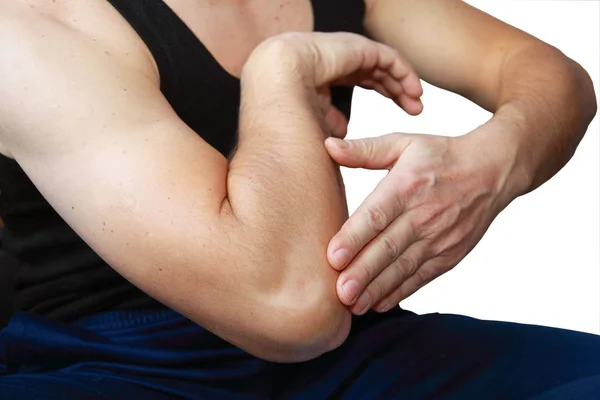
x,y
62,65
36,26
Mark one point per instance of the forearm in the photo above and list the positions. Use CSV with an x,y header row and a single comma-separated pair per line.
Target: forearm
x,y
284,193
281,168
543,107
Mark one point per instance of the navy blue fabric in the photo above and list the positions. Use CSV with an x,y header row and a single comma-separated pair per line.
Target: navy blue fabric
x,y
399,355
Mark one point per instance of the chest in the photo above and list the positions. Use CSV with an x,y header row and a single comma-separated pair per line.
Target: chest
x,y
231,29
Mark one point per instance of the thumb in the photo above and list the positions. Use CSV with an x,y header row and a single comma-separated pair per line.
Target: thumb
x,y
380,152
337,122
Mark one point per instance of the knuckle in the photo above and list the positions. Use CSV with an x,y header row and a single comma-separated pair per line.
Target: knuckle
x,y
451,245
376,291
416,184
424,279
364,274
398,295
369,148
422,274
366,147
351,238
426,218
404,268
409,185
376,219
430,213
390,247
425,276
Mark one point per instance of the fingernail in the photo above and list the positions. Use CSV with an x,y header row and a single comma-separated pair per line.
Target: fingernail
x,y
383,307
363,304
340,143
351,290
340,258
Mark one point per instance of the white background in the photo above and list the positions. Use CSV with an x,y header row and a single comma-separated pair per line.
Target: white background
x,y
539,262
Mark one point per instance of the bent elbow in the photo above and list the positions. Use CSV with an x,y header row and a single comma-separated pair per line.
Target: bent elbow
x,y
304,329
585,89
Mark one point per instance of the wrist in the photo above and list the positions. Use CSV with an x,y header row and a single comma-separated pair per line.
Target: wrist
x,y
276,65
277,85
500,145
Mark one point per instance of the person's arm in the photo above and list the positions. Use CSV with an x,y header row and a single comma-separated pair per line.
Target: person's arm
x,y
542,100
240,251
442,193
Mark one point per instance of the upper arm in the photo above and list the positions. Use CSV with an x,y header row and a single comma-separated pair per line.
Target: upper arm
x,y
104,147
106,150
450,44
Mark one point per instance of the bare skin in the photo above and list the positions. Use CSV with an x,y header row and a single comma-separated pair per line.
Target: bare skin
x,y
202,234
526,142
442,193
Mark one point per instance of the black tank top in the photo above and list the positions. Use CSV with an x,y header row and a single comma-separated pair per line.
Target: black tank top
x,y
59,276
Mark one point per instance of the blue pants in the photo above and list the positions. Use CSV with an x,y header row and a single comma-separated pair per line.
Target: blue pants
x,y
400,355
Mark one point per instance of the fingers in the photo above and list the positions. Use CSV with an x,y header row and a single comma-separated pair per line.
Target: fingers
x,y
337,122
379,209
412,106
348,59
337,56
380,152
392,85
405,90
424,274
398,68
352,59
400,81
391,277
371,261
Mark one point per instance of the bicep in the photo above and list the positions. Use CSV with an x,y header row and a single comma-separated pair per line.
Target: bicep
x,y
106,150
450,44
